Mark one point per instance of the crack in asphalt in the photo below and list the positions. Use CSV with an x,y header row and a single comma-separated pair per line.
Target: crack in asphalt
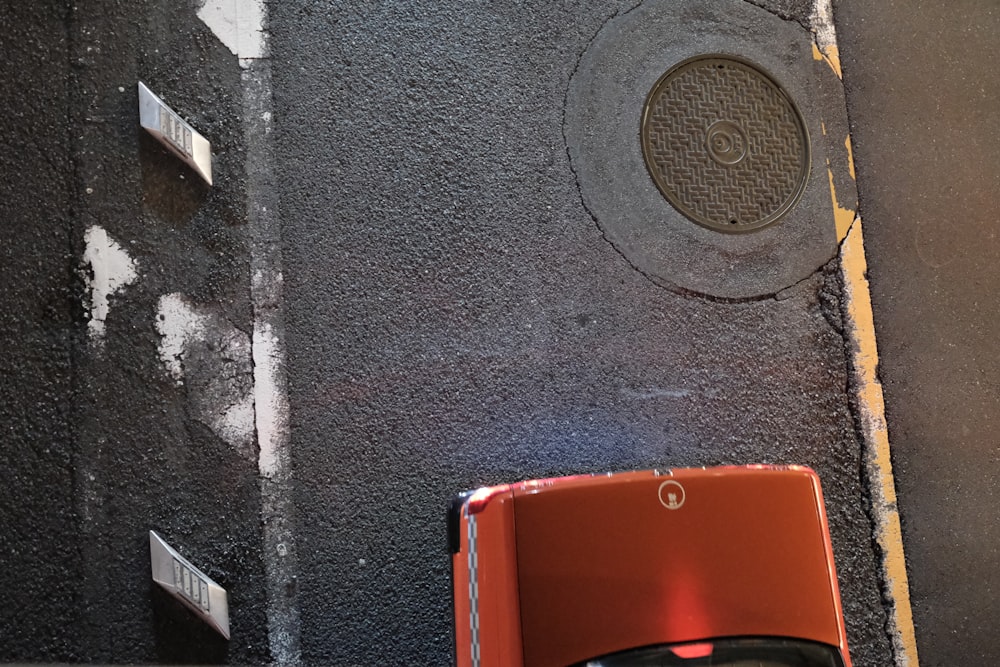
x,y
852,390
784,17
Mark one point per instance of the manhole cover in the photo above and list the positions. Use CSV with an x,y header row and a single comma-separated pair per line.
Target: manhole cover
x,y
724,144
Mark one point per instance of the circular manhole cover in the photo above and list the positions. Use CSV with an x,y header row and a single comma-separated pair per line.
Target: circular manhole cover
x,y
724,144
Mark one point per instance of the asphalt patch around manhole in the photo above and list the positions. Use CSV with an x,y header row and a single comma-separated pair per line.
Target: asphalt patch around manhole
x,y
670,159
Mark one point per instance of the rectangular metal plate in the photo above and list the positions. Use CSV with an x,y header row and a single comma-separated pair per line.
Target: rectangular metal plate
x,y
174,133
188,584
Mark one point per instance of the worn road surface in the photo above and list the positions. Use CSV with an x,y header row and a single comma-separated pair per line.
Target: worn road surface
x,y
432,259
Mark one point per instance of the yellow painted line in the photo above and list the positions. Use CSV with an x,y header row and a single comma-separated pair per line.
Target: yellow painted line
x,y
850,157
878,465
842,217
860,326
831,54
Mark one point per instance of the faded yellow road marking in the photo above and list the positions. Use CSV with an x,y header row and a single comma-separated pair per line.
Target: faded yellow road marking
x,y
842,217
850,157
831,54
878,466
860,327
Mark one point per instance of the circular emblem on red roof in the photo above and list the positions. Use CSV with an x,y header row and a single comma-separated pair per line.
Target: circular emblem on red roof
x,y
671,494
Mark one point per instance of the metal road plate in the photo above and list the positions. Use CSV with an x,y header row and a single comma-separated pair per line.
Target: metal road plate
x,y
724,144
174,133
188,584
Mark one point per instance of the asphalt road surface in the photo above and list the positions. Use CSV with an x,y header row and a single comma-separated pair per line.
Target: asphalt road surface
x,y
432,259
110,240
457,316
922,100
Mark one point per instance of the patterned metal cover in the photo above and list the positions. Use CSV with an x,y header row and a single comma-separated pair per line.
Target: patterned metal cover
x,y
725,144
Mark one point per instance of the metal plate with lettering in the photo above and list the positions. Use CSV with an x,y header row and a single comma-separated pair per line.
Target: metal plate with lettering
x,y
173,132
188,584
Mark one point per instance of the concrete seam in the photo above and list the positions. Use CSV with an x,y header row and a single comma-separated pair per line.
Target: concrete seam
x,y
92,638
271,406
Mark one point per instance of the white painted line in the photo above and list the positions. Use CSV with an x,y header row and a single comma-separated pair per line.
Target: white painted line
x,y
270,375
239,24
270,401
111,269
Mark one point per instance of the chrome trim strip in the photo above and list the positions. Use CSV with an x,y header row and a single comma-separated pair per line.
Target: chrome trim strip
x,y
473,590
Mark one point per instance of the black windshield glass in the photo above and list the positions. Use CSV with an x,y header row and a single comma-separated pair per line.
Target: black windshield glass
x,y
726,653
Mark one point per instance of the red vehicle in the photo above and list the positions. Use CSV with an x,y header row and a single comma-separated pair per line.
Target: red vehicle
x,y
719,566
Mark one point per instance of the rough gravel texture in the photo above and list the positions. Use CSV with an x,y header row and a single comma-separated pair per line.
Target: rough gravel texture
x,y
37,512
456,317
102,445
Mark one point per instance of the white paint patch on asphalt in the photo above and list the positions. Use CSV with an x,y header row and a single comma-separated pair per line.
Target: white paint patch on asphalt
x,y
111,269
201,349
177,322
821,20
271,401
239,24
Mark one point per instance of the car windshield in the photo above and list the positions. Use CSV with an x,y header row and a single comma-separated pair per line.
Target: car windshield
x,y
726,653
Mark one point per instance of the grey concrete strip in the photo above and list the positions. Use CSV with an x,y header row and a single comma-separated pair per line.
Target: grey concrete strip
x,y
241,26
270,379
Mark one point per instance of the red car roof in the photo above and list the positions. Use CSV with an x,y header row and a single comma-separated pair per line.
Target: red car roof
x,y
615,562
